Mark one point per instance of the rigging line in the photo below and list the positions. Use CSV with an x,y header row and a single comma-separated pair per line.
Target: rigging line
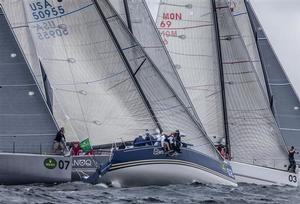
x,y
185,28
177,5
237,62
107,18
140,66
16,85
239,14
118,84
127,48
239,73
29,22
191,55
91,82
290,129
281,84
21,26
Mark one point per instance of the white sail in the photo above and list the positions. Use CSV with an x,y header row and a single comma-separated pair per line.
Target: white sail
x,y
144,29
241,17
86,72
187,29
153,7
119,5
254,135
108,86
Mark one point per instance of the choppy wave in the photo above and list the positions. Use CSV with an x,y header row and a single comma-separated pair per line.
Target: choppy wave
x,y
78,192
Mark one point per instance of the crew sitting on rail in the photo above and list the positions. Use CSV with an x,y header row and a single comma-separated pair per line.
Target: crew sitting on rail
x,y
158,140
165,142
139,141
149,139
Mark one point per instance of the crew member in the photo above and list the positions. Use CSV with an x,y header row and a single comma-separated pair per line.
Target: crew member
x,y
292,166
59,140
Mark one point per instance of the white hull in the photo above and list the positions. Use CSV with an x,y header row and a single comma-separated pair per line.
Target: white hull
x,y
246,173
34,168
161,174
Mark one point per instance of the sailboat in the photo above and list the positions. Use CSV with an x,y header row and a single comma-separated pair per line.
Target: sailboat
x,y
284,101
109,88
258,152
27,128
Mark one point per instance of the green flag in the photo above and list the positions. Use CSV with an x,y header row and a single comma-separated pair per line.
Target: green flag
x,y
85,145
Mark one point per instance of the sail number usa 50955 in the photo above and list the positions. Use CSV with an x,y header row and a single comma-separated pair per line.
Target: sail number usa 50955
x,y
43,9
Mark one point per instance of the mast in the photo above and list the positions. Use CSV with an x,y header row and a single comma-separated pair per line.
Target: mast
x,y
227,140
127,13
128,65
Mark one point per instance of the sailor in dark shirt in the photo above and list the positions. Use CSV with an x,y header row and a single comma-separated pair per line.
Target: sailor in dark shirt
x,y
177,139
292,161
59,140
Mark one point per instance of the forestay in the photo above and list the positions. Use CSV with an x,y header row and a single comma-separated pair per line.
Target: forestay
x,y
254,135
243,23
104,79
285,103
187,29
144,29
26,125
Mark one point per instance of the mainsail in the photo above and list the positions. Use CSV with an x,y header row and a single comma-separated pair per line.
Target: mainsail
x,y
254,135
284,100
106,83
243,23
187,29
26,125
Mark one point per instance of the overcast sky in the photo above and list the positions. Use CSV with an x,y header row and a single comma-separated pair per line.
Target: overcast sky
x,y
281,22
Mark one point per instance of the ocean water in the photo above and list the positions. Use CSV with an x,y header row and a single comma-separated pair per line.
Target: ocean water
x,y
78,192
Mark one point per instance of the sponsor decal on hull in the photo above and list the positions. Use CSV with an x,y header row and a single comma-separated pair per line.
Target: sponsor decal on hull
x,y
50,163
